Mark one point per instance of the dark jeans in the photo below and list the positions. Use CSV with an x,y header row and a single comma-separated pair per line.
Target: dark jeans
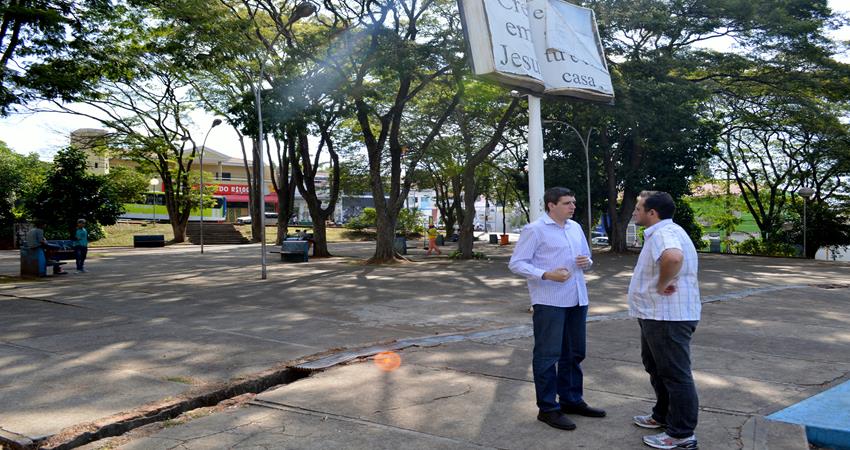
x,y
80,253
559,349
665,348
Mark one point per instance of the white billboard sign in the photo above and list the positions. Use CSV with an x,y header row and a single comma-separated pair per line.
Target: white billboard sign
x,y
546,46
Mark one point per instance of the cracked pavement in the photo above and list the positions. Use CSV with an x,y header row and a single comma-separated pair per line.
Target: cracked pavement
x,y
149,325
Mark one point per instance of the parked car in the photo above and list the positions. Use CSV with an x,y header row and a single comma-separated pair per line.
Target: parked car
x,y
271,219
599,240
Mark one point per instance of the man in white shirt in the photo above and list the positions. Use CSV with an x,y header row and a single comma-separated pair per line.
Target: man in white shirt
x,y
664,297
553,254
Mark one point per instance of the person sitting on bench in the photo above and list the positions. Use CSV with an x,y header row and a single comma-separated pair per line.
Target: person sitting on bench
x,y
36,240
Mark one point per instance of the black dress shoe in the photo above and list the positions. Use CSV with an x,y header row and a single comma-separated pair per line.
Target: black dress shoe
x,y
556,419
583,410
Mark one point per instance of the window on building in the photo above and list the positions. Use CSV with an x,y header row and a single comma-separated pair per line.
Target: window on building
x,y
95,165
225,176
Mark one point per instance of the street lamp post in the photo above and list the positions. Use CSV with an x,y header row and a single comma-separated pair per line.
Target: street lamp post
x,y
215,123
154,182
585,142
807,193
302,10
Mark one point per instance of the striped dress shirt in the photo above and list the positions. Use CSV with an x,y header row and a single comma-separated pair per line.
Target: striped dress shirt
x,y
544,245
644,301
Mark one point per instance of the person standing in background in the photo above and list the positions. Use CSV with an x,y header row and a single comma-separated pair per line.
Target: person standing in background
x,y
81,245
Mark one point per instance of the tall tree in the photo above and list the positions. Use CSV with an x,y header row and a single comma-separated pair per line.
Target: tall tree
x,y
69,193
390,53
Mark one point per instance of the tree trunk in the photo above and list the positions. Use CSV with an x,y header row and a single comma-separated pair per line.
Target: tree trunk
x,y
320,237
385,242
467,227
179,229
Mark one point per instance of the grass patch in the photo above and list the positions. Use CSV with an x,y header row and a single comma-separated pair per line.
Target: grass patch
x,y
707,207
121,234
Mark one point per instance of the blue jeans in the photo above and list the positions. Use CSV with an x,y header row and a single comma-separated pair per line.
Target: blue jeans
x,y
665,348
80,253
559,349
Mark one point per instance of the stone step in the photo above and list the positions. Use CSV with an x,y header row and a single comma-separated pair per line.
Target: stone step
x,y
215,233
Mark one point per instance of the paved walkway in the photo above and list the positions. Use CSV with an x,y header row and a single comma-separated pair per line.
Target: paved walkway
x,y
150,328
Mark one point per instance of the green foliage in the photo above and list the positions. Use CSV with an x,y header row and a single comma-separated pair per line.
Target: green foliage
x,y
35,42
70,193
457,254
409,221
685,218
826,225
20,177
127,184
754,246
368,218
712,210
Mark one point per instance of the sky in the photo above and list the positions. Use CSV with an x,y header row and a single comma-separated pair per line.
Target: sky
x,y
45,133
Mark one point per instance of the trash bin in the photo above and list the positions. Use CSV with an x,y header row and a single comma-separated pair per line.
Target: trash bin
x,y
494,238
714,244
400,245
441,240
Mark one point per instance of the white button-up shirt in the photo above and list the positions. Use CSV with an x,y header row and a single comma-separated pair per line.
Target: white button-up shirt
x,y
644,300
543,246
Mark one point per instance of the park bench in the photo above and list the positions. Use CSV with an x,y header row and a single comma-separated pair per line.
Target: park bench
x,y
34,261
63,249
293,250
149,240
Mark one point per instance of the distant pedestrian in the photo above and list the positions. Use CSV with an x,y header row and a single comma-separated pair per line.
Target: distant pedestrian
x,y
664,297
553,254
432,241
81,245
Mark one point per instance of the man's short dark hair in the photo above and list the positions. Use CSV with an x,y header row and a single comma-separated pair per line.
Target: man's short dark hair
x,y
661,202
552,195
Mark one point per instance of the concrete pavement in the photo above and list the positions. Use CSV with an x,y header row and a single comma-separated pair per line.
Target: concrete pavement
x,y
146,329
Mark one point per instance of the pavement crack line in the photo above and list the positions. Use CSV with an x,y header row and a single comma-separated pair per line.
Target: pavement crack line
x,y
355,420
44,300
433,400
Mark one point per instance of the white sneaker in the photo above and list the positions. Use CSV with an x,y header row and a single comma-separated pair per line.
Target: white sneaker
x,y
664,441
647,422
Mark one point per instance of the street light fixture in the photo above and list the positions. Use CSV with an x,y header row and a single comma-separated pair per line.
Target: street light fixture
x,y
302,10
154,182
215,123
585,142
807,193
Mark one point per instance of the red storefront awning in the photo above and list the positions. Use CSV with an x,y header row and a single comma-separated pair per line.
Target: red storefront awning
x,y
270,198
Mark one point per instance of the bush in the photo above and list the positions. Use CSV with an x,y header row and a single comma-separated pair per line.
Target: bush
x,y
754,246
367,219
475,255
409,222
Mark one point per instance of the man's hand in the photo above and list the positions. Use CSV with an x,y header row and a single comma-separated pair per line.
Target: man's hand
x,y
583,262
560,275
668,290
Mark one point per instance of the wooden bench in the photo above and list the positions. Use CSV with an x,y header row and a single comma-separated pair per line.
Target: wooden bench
x,y
149,240
293,251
